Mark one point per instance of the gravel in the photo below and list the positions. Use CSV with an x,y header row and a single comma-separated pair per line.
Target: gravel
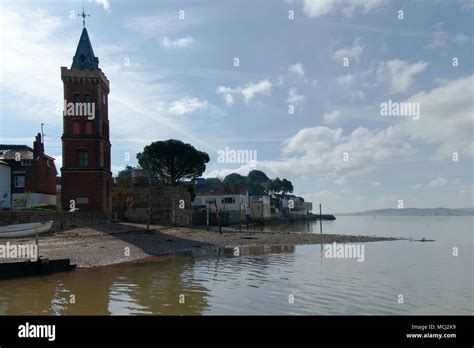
x,y
113,243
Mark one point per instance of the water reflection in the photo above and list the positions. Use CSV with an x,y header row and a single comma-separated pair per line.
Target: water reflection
x,y
260,279
165,285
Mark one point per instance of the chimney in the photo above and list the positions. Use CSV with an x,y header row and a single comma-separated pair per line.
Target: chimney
x,y
38,146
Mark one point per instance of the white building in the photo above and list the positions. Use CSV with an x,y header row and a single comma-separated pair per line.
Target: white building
x,y
226,199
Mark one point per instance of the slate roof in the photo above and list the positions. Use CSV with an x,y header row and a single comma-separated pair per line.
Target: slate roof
x,y
84,57
7,151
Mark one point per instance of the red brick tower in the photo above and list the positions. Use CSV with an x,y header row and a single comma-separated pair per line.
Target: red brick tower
x,y
85,175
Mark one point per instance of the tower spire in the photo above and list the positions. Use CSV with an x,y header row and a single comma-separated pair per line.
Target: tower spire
x,y
84,57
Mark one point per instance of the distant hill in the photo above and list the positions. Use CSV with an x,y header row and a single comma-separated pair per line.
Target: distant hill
x,y
415,212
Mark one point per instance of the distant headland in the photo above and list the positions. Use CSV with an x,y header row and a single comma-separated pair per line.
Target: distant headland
x,y
414,212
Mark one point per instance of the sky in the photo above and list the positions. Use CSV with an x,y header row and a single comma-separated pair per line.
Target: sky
x,y
300,84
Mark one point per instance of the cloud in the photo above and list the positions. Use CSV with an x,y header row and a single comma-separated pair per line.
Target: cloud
x,y
105,4
438,182
319,196
26,33
227,94
466,5
346,80
446,117
331,117
353,52
187,105
248,91
178,43
251,89
353,89
399,73
321,151
446,121
341,181
297,70
294,98
318,8
441,38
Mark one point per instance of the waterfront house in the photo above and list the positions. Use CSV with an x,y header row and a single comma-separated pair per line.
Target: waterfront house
x,y
297,206
233,201
260,208
5,185
292,205
226,198
33,174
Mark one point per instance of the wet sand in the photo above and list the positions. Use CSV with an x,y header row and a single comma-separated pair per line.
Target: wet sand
x,y
113,243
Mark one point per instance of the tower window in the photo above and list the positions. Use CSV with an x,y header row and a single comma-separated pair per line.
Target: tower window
x,y
82,158
89,127
77,98
76,127
87,98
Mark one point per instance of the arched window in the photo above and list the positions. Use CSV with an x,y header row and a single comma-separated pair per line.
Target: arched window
x,y
82,158
76,127
88,127
87,98
77,98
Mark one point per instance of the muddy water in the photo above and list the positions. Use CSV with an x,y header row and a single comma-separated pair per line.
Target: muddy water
x,y
266,280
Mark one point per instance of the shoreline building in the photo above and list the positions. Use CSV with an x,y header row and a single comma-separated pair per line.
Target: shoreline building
x,y
86,177
28,175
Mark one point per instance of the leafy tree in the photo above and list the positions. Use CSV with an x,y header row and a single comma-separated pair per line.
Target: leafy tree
x,y
126,172
173,160
268,187
235,179
277,185
273,186
286,187
255,182
208,183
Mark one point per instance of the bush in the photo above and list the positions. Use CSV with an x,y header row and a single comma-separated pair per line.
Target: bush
x,y
46,207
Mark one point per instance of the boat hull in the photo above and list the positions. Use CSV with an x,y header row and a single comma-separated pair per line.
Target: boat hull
x,y
24,230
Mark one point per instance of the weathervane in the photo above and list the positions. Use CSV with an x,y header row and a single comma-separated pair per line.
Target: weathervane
x,y
83,15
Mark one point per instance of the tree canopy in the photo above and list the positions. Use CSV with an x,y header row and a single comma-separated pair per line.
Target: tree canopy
x,y
235,179
258,183
173,160
127,172
286,187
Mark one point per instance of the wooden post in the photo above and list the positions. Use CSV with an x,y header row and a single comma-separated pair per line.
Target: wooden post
x,y
37,242
240,215
320,219
172,219
207,216
148,219
218,217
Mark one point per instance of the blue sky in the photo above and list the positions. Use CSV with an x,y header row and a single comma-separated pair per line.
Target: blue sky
x,y
175,78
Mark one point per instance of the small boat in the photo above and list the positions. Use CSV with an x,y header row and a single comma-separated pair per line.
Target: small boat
x,y
24,230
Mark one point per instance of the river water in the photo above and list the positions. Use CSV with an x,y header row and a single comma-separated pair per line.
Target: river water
x,y
278,280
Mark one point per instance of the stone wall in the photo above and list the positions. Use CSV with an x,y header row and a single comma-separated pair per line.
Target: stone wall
x,y
62,220
169,205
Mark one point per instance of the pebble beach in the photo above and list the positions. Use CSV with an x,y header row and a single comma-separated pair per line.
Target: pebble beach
x,y
114,243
